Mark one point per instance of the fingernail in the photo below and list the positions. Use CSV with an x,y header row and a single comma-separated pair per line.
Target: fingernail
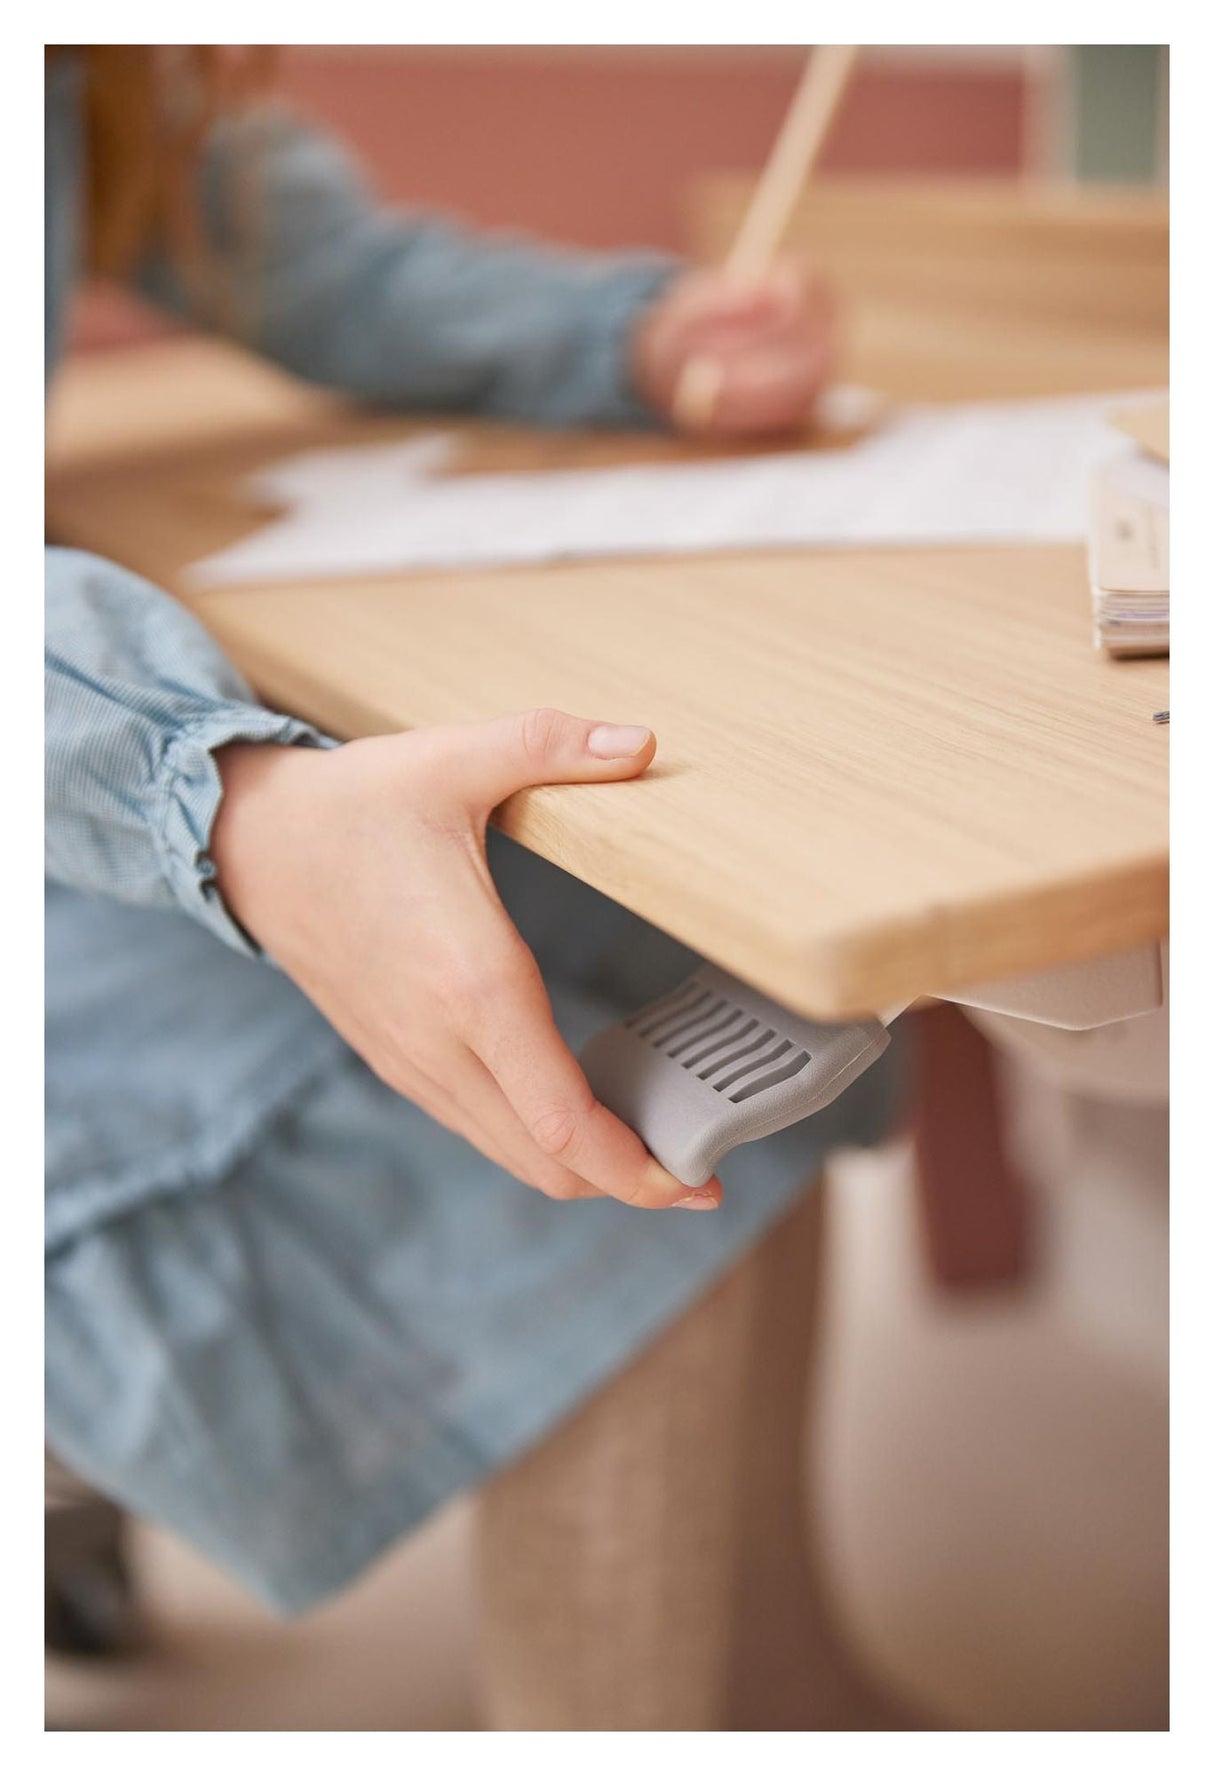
x,y
697,1199
608,742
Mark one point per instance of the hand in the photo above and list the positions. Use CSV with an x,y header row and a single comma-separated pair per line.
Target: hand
x,y
771,344
362,871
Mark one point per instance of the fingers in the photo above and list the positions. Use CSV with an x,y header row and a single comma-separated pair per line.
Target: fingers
x,y
459,1091
487,762
758,370
471,1095
712,299
771,339
750,394
450,1084
549,1095
460,1094
719,298
787,302
768,391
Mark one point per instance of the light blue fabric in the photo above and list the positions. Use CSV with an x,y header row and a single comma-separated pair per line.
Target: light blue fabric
x,y
409,312
286,1312
360,1316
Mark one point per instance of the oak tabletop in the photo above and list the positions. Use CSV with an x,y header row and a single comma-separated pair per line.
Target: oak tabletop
x,y
880,773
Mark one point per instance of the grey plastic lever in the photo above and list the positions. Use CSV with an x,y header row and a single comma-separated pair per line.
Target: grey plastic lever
x,y
715,1063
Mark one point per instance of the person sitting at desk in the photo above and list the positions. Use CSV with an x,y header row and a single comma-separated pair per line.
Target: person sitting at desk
x,y
296,1297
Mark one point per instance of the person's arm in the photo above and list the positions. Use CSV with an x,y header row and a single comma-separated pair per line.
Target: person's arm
x,y
359,869
139,700
406,308
410,310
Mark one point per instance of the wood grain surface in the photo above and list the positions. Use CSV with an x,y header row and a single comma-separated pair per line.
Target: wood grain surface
x,y
880,773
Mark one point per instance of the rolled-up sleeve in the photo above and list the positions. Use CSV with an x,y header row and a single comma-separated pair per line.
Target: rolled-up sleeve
x,y
138,701
402,308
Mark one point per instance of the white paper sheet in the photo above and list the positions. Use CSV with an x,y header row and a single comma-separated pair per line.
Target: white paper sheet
x,y
984,472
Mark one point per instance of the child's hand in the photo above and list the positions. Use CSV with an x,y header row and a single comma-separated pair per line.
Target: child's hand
x,y
362,872
770,346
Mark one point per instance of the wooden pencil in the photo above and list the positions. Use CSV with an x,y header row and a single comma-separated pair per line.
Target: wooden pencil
x,y
789,168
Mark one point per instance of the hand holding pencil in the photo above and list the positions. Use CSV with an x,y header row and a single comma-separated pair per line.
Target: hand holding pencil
x,y
770,345
748,348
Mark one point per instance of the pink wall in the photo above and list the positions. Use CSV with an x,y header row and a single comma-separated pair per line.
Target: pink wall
x,y
598,145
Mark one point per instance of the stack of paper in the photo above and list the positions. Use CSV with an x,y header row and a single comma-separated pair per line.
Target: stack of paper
x,y
1129,547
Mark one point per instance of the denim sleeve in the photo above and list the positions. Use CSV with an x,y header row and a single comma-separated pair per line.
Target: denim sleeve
x,y
138,699
401,308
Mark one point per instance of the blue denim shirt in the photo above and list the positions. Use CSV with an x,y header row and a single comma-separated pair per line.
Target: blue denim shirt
x,y
168,1051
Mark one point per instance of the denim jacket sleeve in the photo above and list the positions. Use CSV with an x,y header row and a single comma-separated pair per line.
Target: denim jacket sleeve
x,y
402,308
138,700
399,309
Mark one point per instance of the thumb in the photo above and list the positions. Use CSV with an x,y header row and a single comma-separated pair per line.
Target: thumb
x,y
546,746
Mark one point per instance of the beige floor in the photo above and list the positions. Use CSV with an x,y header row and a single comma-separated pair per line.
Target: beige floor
x,y
994,1490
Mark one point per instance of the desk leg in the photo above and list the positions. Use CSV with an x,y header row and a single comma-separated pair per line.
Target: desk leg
x,y
975,1208
651,1565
